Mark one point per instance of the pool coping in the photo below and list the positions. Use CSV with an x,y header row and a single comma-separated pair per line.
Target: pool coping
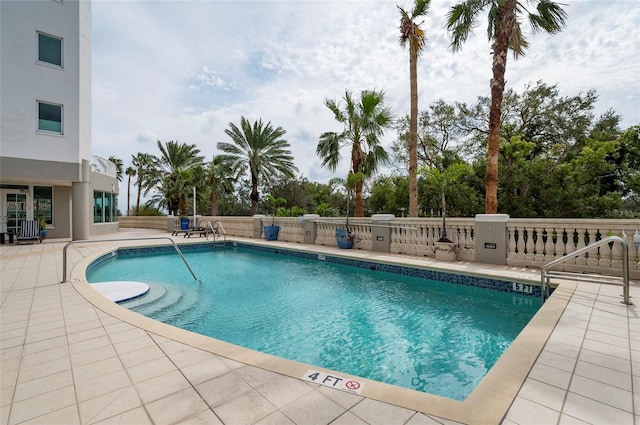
x,y
488,402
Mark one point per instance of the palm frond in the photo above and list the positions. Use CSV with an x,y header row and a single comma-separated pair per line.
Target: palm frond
x,y
550,17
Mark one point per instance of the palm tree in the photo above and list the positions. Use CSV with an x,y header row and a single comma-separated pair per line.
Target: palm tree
x,y
260,149
118,163
176,163
364,123
412,34
130,172
145,169
505,33
216,177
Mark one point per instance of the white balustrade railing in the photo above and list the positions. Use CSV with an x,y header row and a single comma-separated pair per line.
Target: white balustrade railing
x,y
534,242
530,242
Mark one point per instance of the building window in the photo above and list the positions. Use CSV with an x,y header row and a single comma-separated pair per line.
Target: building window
x,y
105,208
50,117
43,203
49,49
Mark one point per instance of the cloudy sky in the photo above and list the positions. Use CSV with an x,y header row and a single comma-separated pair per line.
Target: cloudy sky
x,y
183,70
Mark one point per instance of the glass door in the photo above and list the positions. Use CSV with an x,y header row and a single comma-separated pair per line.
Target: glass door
x,y
13,207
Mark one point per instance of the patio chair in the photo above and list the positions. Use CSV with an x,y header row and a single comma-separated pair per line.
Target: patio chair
x,y
29,231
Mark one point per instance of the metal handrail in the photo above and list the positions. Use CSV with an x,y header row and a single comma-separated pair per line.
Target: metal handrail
x,y
544,273
64,252
215,231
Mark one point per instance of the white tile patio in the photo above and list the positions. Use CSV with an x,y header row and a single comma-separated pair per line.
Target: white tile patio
x,y
66,361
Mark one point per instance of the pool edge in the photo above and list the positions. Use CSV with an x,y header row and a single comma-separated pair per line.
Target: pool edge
x,y
488,403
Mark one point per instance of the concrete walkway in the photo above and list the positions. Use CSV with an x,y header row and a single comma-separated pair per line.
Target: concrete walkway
x,y
64,361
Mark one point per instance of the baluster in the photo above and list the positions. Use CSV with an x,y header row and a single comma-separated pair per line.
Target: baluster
x,y
580,243
512,246
616,252
538,245
528,244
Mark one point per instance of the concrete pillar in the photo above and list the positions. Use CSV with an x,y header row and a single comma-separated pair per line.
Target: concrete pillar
x,y
381,232
81,210
82,204
257,225
310,228
491,238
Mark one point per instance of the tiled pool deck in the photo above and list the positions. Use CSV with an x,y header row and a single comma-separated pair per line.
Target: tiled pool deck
x,y
71,357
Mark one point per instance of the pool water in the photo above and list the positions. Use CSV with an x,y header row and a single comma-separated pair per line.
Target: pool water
x,y
416,333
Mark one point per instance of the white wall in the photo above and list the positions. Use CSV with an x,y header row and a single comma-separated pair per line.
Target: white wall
x,y
24,80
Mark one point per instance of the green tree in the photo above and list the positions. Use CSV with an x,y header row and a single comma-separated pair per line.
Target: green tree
x,y
261,150
217,179
364,121
505,33
130,172
442,180
176,164
439,130
145,166
413,35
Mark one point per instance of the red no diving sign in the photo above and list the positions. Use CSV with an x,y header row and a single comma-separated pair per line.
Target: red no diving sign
x,y
334,381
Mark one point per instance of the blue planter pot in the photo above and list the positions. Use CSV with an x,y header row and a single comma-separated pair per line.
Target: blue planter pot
x,y
271,232
43,234
344,239
184,224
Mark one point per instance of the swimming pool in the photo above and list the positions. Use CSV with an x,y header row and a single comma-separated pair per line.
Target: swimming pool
x,y
398,328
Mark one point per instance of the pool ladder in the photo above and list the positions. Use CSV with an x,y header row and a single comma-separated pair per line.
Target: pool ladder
x,y
546,274
64,252
217,229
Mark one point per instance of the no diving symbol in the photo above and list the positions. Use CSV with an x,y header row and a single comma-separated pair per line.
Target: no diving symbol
x,y
352,385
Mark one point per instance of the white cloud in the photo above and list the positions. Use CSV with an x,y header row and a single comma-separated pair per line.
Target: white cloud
x,y
182,70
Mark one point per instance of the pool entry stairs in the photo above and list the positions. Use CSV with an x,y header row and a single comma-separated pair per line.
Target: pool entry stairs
x,y
168,303
546,274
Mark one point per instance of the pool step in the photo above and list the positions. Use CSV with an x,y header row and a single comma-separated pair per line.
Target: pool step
x,y
154,294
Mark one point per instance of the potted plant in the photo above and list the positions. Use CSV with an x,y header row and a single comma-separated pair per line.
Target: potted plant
x,y
344,237
184,222
445,248
271,231
42,224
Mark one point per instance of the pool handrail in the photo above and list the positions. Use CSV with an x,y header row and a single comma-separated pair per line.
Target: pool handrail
x,y
64,252
545,274
215,230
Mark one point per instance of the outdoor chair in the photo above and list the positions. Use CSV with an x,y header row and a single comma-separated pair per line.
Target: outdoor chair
x,y
29,231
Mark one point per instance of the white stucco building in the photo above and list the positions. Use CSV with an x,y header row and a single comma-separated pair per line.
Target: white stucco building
x,y
46,166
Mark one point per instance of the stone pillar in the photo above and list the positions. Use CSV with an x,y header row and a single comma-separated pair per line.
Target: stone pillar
x,y
309,228
491,238
381,232
257,225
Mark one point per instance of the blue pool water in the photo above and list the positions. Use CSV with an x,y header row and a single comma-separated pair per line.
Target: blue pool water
x,y
412,332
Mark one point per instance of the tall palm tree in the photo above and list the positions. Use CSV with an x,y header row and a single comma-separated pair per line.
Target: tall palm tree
x,y
505,33
130,172
145,166
364,123
176,163
260,149
413,35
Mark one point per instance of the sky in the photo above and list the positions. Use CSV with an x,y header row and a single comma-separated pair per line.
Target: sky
x,y
183,70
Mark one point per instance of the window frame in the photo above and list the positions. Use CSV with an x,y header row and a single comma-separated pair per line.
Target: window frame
x,y
54,37
38,119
